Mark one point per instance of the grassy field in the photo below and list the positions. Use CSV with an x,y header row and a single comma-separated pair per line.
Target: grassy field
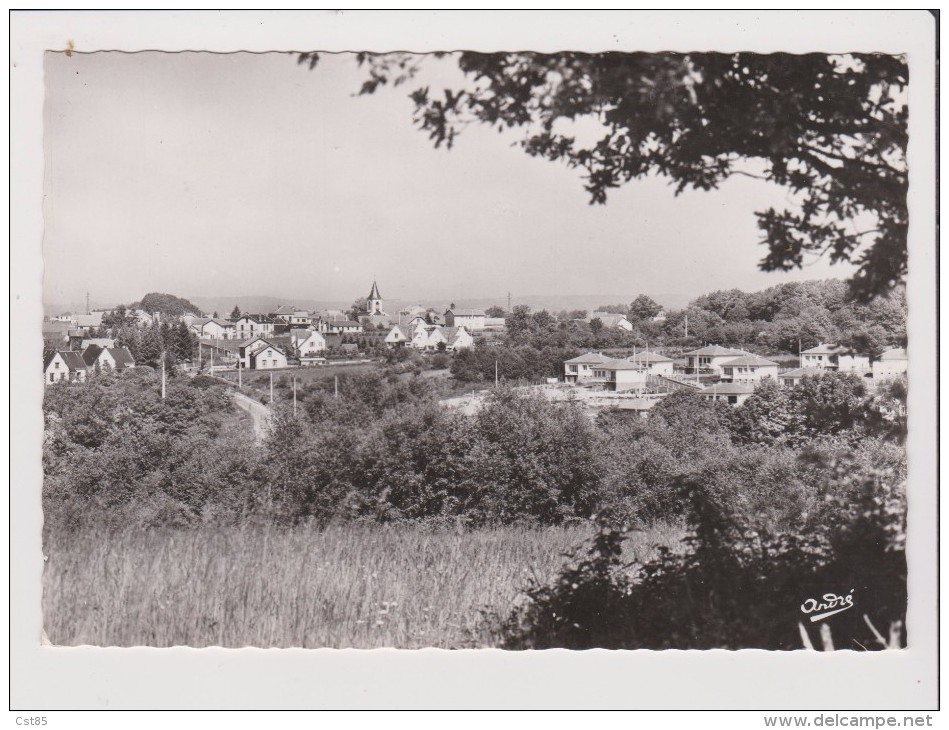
x,y
347,586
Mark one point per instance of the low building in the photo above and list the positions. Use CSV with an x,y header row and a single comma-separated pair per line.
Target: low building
x,y
748,369
890,364
64,366
397,337
654,363
612,321
100,341
793,377
88,322
472,320
495,323
710,359
621,375
258,353
732,393
98,359
343,327
308,343
835,357
580,369
214,328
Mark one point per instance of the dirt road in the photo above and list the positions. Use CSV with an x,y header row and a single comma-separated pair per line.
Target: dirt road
x,y
258,412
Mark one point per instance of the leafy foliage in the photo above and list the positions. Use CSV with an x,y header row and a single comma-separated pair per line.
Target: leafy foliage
x,y
167,304
830,128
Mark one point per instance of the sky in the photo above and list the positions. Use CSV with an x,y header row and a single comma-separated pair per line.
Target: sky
x,y
203,174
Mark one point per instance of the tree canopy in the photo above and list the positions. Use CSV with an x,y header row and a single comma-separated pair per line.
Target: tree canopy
x,y
830,128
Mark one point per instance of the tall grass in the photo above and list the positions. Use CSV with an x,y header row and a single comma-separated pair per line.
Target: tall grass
x,y
343,586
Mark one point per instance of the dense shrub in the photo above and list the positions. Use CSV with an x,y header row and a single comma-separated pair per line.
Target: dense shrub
x,y
732,586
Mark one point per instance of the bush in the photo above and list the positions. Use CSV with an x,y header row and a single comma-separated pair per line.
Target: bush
x,y
732,587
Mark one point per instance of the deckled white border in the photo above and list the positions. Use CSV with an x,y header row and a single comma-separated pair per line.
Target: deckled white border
x,y
48,678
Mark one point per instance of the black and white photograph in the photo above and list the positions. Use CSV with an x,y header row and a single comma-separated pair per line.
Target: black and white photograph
x,y
594,349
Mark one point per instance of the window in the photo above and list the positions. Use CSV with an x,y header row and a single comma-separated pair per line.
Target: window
x,y
57,364
733,399
52,377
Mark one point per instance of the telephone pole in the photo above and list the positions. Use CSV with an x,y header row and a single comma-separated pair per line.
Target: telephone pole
x,y
509,301
88,311
294,396
240,385
495,373
336,386
163,375
271,388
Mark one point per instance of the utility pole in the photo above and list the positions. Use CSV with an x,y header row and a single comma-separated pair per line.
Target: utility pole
x,y
294,396
495,373
88,311
240,385
686,325
336,386
199,354
271,388
163,375
509,301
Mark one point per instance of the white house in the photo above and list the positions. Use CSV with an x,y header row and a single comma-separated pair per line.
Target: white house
x,y
494,323
211,328
822,356
64,366
397,337
580,369
107,358
660,316
259,354
457,338
309,343
890,364
253,325
710,358
86,322
654,363
732,393
343,327
611,321
471,319
621,375
749,369
793,377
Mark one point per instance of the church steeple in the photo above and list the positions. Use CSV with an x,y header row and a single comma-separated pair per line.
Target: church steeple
x,y
374,301
374,294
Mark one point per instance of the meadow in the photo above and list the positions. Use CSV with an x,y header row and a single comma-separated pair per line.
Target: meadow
x,y
350,585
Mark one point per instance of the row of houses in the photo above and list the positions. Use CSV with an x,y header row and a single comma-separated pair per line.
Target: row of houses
x,y
76,365
734,373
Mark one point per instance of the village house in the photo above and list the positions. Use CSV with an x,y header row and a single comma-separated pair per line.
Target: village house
x,y
710,359
97,358
580,369
253,325
343,327
260,354
293,316
495,323
611,321
732,393
620,375
835,357
307,342
64,366
748,369
212,328
397,336
660,316
471,319
56,334
890,364
791,378
87,322
654,363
